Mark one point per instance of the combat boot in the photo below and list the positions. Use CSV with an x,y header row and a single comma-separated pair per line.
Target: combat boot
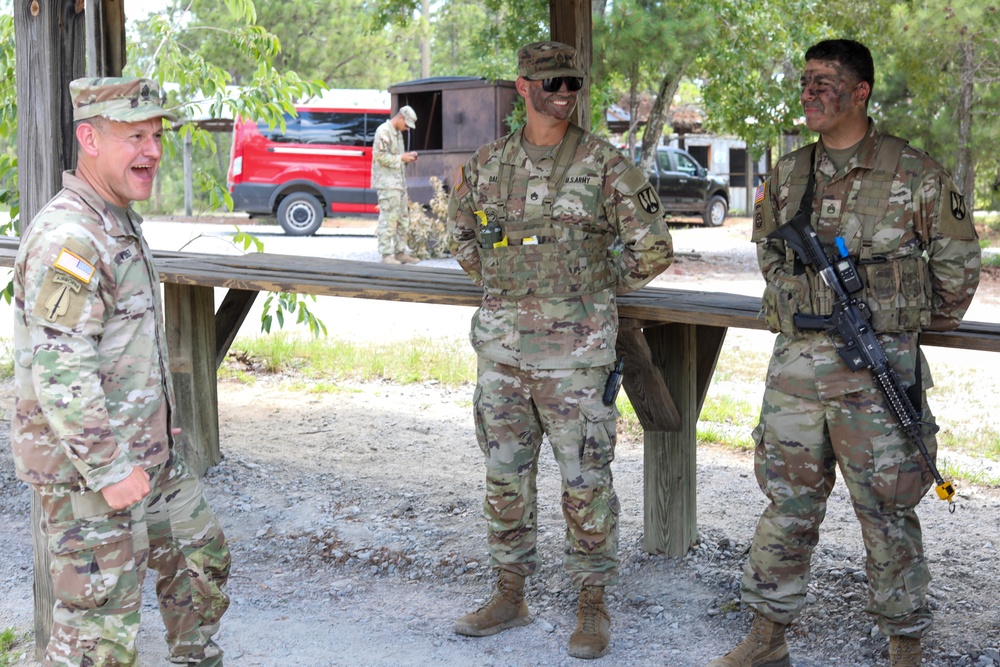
x,y
506,609
764,647
403,258
593,625
904,652
390,259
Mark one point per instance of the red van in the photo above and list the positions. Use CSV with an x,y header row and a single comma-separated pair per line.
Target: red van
x,y
321,164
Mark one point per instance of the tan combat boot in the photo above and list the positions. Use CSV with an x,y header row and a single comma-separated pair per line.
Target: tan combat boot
x,y
389,259
403,258
593,625
506,609
764,647
904,652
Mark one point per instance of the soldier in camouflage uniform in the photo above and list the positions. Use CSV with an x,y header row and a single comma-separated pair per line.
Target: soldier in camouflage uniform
x,y
906,225
91,429
389,179
532,220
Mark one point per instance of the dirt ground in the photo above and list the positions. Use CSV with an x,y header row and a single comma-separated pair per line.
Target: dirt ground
x,y
354,518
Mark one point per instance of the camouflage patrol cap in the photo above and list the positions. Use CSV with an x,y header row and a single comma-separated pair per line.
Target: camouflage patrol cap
x,y
546,60
128,100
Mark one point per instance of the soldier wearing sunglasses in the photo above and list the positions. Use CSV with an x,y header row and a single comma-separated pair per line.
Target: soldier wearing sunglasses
x,y
553,223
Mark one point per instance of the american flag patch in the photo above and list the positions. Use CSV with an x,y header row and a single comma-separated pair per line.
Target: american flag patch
x,y
75,266
758,196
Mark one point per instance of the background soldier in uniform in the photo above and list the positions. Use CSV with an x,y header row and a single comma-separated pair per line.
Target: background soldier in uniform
x,y
533,219
389,178
91,430
903,221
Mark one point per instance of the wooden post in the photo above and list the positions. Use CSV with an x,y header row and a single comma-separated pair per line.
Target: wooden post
x,y
189,312
49,39
686,354
571,23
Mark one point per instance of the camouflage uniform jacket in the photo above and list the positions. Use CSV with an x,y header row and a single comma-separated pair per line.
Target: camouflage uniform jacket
x,y
907,229
548,317
93,391
387,163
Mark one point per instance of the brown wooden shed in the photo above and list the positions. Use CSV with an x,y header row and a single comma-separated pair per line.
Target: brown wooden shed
x,y
455,116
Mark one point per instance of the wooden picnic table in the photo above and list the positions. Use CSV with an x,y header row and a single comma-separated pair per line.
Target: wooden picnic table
x,y
672,339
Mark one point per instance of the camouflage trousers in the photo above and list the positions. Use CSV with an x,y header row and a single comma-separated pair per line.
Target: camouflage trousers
x,y
513,409
800,442
393,221
99,558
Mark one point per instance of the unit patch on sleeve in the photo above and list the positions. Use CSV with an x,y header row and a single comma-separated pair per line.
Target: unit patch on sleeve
x,y
74,265
648,200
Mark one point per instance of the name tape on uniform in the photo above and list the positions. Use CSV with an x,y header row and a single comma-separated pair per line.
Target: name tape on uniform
x,y
75,266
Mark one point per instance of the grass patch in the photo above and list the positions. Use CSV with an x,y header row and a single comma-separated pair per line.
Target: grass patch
x,y
9,639
6,359
329,360
955,471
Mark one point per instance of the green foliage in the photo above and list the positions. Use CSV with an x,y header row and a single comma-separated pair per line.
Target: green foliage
x,y
449,362
9,639
276,305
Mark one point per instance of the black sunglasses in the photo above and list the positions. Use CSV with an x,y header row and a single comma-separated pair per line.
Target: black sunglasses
x,y
573,83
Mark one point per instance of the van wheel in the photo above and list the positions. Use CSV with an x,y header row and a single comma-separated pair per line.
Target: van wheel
x,y
715,212
300,214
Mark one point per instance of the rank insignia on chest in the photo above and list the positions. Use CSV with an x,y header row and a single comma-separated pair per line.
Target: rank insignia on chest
x,y
830,207
74,265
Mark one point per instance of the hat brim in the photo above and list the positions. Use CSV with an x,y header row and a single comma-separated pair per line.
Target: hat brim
x,y
133,115
552,73
410,123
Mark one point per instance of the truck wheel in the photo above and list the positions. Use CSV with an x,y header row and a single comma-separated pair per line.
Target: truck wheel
x,y
715,212
300,214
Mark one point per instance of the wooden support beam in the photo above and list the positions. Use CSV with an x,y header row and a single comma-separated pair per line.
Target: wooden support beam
x,y
643,382
228,320
670,500
49,39
709,341
570,22
105,37
189,312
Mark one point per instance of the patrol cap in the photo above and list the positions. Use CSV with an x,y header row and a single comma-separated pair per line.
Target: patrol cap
x,y
546,60
409,115
129,100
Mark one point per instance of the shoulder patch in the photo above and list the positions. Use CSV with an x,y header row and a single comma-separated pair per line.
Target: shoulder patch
x,y
954,218
631,181
70,263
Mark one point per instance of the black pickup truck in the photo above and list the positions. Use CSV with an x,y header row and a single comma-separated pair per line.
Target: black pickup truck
x,y
687,188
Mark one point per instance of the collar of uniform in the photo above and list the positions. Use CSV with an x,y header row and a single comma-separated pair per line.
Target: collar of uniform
x,y
113,225
512,148
864,157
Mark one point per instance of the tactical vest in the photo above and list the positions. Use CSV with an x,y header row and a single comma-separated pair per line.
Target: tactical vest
x,y
543,257
896,290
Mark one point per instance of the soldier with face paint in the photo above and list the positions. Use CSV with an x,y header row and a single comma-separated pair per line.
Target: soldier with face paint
x,y
553,223
899,216
94,401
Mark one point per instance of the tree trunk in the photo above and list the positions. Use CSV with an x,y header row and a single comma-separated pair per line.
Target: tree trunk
x,y
965,164
657,119
425,39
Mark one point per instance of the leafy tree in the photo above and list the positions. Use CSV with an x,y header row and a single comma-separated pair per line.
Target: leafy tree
x,y
327,41
950,56
623,36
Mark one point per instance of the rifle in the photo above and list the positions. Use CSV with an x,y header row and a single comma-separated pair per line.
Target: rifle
x,y
861,348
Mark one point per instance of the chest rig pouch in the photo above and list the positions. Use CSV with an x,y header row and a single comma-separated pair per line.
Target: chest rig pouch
x,y
544,257
896,289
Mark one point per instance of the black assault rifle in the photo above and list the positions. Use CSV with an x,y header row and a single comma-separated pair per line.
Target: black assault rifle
x,y
861,348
